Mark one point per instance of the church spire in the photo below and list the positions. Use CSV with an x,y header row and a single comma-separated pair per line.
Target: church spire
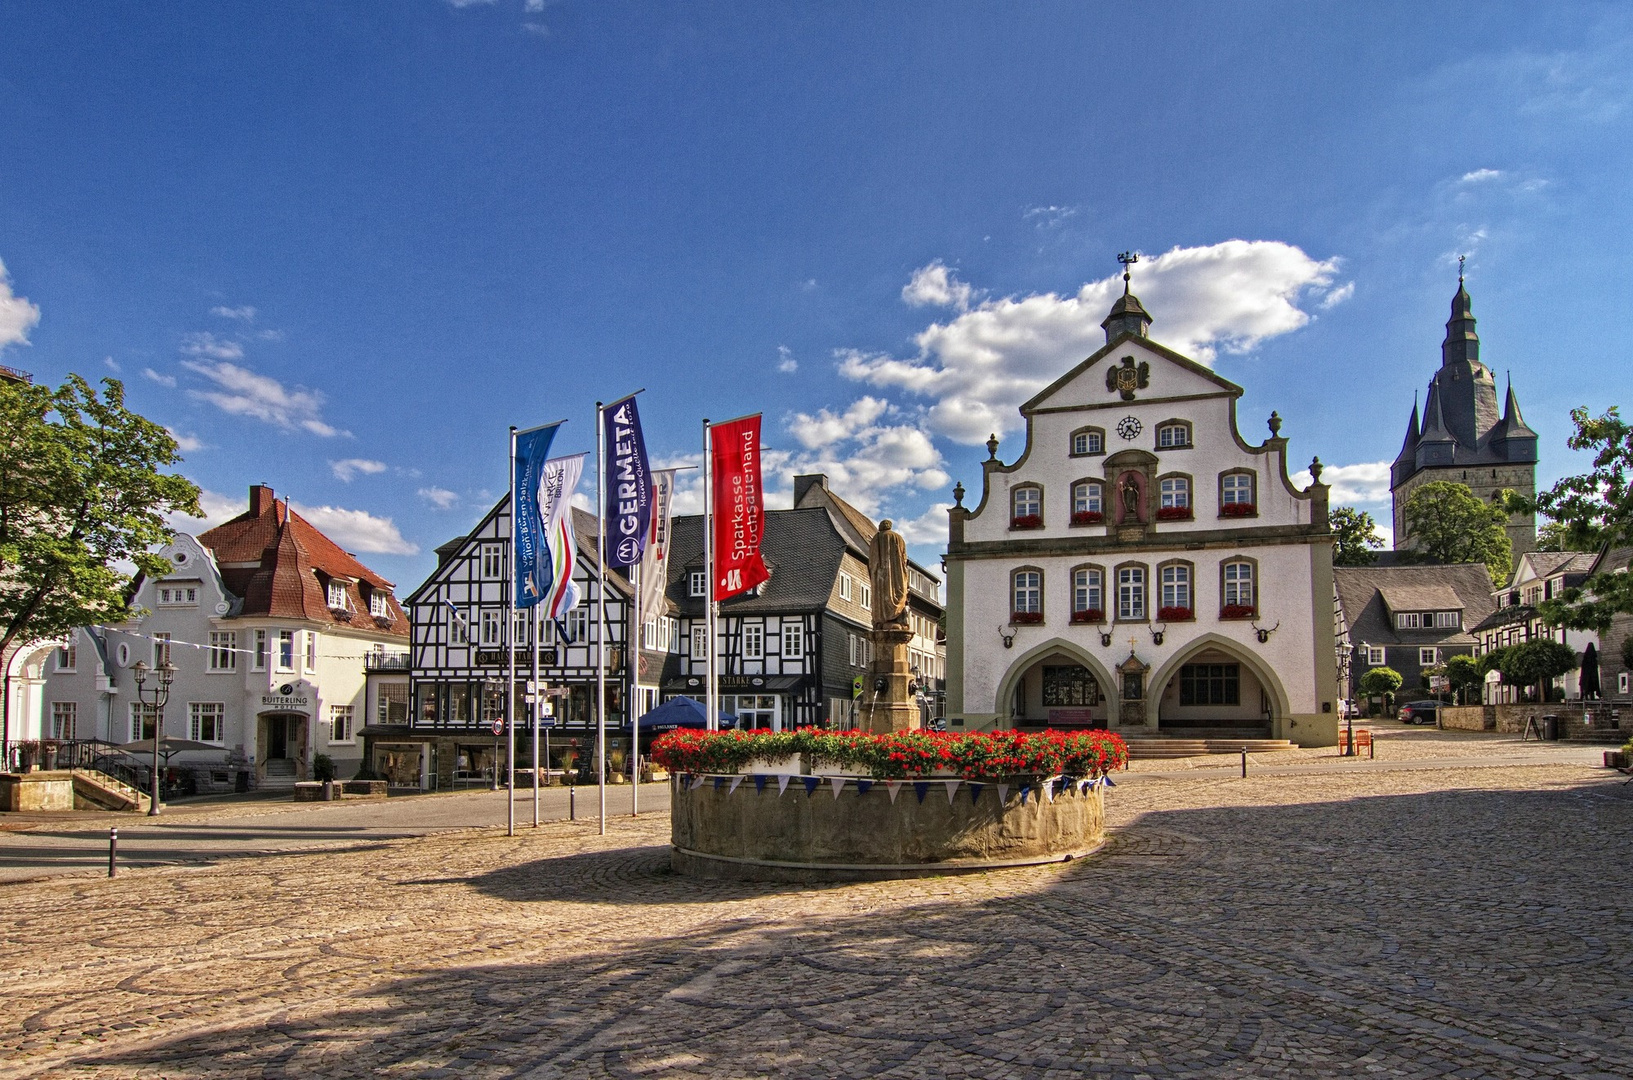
x,y
1406,462
1461,343
1127,316
1516,441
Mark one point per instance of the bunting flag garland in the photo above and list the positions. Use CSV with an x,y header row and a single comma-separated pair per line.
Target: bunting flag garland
x,y
921,788
782,782
759,783
894,787
736,780
1026,789
1003,795
975,792
697,782
1049,790
838,783
952,786
810,783
864,786
719,782
1108,782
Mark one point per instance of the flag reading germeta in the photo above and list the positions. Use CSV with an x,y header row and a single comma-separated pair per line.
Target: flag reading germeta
x,y
629,487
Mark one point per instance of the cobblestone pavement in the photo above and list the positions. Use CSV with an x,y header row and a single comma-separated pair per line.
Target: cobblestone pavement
x,y
1462,922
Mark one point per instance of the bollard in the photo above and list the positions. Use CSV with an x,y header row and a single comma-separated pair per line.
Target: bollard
x,y
1244,763
572,804
1372,748
113,852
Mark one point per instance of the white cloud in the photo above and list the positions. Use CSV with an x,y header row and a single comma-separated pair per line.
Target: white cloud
x,y
348,468
217,508
982,364
162,380
786,362
1047,217
1480,175
534,6
441,498
357,531
468,3
206,344
1367,483
935,286
827,428
1338,296
112,363
929,527
242,314
17,315
185,443
245,393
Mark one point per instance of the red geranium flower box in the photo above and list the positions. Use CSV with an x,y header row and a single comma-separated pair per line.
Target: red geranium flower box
x,y
1173,513
1087,517
1089,615
1022,618
1238,510
1027,521
1175,614
1238,611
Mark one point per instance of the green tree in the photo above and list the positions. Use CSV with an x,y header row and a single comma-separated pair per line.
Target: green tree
x,y
81,494
1536,663
1381,682
1596,505
1355,538
1449,524
1464,673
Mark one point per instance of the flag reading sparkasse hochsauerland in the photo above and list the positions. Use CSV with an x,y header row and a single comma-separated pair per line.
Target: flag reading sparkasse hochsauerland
x,y
739,508
629,484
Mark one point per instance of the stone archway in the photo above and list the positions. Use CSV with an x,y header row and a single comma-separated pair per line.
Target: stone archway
x,y
1268,710
1064,653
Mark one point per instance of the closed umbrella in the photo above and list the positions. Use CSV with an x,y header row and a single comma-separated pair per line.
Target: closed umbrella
x,y
1590,671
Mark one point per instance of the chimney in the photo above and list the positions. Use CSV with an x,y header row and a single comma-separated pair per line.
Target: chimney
x,y
260,499
803,484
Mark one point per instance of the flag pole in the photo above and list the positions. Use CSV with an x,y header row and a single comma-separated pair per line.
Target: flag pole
x,y
711,707
510,650
538,713
632,646
601,609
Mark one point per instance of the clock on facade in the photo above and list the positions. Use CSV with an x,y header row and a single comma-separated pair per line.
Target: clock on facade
x,y
1129,427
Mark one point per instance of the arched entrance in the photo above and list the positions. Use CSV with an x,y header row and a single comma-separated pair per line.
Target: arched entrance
x,y
281,739
1214,686
1056,684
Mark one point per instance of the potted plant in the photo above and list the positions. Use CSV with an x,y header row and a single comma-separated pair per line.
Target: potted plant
x,y
1238,611
1238,509
1174,614
1026,521
1027,618
1087,517
1089,615
1173,513
323,771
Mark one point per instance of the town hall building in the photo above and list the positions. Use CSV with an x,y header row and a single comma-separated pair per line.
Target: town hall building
x,y
1141,566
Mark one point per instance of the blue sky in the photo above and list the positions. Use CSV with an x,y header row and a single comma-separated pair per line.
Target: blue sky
x,y
340,247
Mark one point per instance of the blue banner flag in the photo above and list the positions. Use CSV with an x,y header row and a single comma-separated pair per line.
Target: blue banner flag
x,y
527,524
629,484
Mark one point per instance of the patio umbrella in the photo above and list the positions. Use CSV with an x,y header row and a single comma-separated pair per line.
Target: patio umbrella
x,y
680,712
1590,671
167,747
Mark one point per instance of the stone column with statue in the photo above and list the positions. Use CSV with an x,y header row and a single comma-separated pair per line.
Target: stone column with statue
x,y
888,702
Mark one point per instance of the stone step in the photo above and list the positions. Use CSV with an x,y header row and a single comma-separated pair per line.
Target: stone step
x,y
275,782
1159,747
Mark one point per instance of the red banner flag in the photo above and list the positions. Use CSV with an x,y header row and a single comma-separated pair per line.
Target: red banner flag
x,y
739,507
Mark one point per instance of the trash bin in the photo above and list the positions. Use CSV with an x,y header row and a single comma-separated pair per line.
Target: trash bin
x,y
241,785
1550,727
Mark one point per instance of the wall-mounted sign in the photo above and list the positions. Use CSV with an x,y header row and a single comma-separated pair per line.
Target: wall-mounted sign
x,y
286,698
496,658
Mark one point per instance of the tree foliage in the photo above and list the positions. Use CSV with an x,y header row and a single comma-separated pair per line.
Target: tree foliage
x,y
1448,523
1355,538
1596,506
81,493
1535,663
1464,673
1380,682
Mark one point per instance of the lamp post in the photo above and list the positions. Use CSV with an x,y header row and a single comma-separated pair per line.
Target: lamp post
x,y
160,694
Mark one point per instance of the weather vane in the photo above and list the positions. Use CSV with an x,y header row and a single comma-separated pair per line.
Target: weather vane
x,y
1460,259
1128,259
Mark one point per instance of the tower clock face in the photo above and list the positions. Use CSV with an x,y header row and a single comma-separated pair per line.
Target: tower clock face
x,y
1129,427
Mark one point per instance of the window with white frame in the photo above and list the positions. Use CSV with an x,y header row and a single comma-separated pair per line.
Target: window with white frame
x,y
1176,586
1087,442
161,649
1428,657
578,624
337,595
286,650
697,583
68,655
1237,489
459,627
1406,620
1170,436
258,661
142,720
223,650
493,561
1239,584
700,643
867,651
753,642
1623,681
491,627
391,703
519,630
1028,502
311,650
206,721
844,586
1374,655
793,641
1175,492
378,606
855,649
340,723
1027,592
1087,590
1087,497
64,719
183,595
1131,593
867,597
1447,620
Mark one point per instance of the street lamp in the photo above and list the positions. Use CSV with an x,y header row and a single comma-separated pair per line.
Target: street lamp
x,y
160,694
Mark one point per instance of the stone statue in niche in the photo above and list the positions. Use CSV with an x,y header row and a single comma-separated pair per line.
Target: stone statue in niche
x,y
1131,496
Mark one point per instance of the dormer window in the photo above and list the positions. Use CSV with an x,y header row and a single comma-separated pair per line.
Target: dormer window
x,y
697,583
1406,620
337,595
378,606
178,595
1447,620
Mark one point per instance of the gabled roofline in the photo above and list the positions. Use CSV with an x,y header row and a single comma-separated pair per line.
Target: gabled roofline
x,y
1111,346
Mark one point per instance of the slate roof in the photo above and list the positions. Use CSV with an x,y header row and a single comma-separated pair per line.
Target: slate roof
x,y
802,548
1421,596
1361,600
279,562
1548,563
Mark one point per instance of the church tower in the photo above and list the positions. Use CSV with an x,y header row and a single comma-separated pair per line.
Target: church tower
x,y
1463,437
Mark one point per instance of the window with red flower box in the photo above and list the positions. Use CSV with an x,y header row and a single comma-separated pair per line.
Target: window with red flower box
x,y
1173,513
1089,615
1175,614
1238,510
1026,507
1238,611
1026,521
1088,517
1026,618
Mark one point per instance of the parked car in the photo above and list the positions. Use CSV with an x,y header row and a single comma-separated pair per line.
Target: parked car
x,y
1348,709
1419,712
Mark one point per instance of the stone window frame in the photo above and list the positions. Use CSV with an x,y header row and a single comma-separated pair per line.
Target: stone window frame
x,y
1015,610
1097,481
1173,422
1231,560
1190,583
1071,442
1014,497
1071,590
1190,495
1253,491
1145,590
